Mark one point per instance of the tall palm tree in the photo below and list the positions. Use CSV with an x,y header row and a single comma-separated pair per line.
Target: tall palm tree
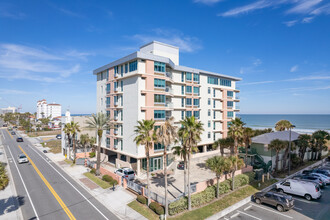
x,y
190,133
247,134
145,135
85,140
283,125
166,135
286,153
223,143
236,132
277,145
67,131
320,139
75,128
99,122
303,143
181,151
236,164
218,165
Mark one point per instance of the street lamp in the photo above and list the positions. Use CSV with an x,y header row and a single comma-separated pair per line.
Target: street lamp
x,y
292,126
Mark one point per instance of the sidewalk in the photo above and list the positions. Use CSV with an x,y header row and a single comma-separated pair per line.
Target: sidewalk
x,y
9,201
116,201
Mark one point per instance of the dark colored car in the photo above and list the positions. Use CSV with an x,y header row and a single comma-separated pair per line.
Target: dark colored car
x,y
4,125
314,179
19,139
306,172
322,171
44,151
13,133
180,165
281,201
58,136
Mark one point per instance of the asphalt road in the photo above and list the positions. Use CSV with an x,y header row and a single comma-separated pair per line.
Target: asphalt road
x,y
44,190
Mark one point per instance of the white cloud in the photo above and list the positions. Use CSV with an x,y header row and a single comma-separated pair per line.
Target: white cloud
x,y
185,43
251,68
304,78
247,8
291,23
13,92
294,68
8,11
304,6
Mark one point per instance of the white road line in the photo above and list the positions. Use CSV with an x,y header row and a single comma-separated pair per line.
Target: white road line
x,y
247,207
233,216
249,215
19,173
71,184
303,200
272,211
226,218
297,208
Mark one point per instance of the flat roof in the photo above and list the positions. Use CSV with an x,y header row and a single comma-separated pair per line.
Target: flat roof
x,y
157,42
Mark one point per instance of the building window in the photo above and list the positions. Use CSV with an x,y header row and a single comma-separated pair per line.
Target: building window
x,y
213,92
182,76
188,114
209,112
126,68
196,77
188,102
188,89
209,101
115,85
108,75
159,83
209,124
208,90
108,102
225,82
196,114
214,136
196,102
213,103
230,93
196,90
133,66
182,90
122,85
208,134
214,115
108,114
108,142
116,69
159,99
121,70
212,80
158,146
159,67
230,104
108,88
159,114
188,76
182,115
230,114
214,125
182,102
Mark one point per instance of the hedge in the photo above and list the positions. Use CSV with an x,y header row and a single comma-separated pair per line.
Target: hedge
x,y
92,154
208,194
141,199
4,180
93,171
154,206
109,179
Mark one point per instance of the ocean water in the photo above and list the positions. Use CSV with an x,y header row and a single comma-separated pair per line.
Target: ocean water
x,y
304,123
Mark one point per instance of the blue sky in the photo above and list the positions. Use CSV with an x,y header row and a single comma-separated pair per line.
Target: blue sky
x,y
281,49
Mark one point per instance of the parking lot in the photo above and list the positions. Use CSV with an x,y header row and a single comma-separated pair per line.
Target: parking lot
x,y
303,209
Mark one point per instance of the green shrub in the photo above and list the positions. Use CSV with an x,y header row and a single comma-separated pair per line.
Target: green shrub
x,y
241,180
4,180
251,176
160,210
154,206
93,171
178,206
224,187
92,154
107,178
141,199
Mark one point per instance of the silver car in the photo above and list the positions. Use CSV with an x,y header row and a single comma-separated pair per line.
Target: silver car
x,y
22,158
127,173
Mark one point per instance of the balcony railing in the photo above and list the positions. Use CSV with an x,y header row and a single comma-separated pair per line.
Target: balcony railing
x,y
108,91
115,103
108,105
169,74
169,104
168,89
116,75
115,117
115,146
116,89
115,131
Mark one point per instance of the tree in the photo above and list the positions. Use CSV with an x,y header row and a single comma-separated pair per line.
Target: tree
x,y
85,140
74,128
99,123
217,164
190,133
223,143
166,135
320,139
283,125
235,164
67,131
145,135
236,132
247,134
181,151
303,143
286,153
277,145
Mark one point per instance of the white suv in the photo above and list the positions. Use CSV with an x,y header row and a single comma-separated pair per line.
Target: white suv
x,y
22,159
127,173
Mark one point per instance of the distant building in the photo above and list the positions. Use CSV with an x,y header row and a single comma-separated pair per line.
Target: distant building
x,y
45,110
8,110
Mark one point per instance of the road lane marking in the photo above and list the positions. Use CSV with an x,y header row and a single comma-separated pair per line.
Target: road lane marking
x,y
27,192
59,200
70,184
233,216
297,208
272,211
247,207
10,134
302,200
249,215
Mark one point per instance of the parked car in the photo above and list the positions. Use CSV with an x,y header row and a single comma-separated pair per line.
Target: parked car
x,y
314,178
15,127
19,139
127,173
306,172
181,165
301,188
4,125
322,171
324,178
58,136
281,201
22,159
13,133
45,151
301,177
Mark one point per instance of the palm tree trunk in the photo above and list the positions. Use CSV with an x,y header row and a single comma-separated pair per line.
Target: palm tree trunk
x,y
246,152
165,179
276,161
148,180
189,193
222,151
98,158
218,180
69,146
185,176
74,147
236,146
232,180
284,159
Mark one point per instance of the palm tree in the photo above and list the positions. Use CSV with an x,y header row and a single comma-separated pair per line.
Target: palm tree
x,y
277,145
320,139
74,129
99,122
218,165
236,132
223,143
166,135
85,140
190,133
181,151
303,143
283,125
236,164
67,131
145,135
286,153
247,134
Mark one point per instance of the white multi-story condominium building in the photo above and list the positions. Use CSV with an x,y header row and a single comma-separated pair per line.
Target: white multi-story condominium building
x,y
45,110
8,110
150,84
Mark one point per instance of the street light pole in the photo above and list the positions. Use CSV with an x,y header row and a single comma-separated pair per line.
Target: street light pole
x,y
292,126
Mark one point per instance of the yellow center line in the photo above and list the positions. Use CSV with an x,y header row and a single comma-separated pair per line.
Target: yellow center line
x,y
9,134
59,200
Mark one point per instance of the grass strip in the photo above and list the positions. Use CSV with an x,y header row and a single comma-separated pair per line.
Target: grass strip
x,y
143,210
97,180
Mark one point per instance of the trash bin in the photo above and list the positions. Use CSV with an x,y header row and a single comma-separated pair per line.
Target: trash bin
x,y
259,173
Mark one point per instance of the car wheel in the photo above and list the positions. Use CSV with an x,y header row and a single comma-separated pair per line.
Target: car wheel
x,y
308,197
281,190
279,208
258,201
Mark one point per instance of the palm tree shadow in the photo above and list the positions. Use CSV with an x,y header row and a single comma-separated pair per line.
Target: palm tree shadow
x,y
202,165
10,204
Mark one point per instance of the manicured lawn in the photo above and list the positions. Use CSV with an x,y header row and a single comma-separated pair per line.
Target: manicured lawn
x,y
97,180
54,145
143,210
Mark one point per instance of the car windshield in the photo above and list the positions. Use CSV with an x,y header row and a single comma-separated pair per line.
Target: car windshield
x,y
22,156
130,172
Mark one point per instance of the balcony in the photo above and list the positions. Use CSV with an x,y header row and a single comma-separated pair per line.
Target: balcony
x,y
108,105
169,75
115,117
116,75
169,104
115,131
168,89
108,92
115,103
115,146
116,89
